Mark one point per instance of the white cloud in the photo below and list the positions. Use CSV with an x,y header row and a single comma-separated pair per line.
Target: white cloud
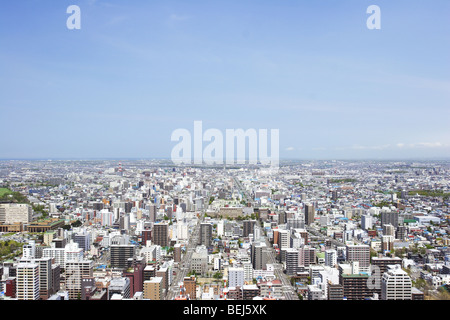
x,y
358,147
289,148
422,145
398,145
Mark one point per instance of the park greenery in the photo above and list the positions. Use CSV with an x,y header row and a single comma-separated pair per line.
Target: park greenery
x,y
6,195
9,249
430,193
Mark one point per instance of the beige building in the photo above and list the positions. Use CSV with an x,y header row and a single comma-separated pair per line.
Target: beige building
x,y
11,213
27,286
153,288
232,212
48,237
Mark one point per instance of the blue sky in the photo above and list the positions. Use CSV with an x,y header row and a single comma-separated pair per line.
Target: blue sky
x,y
138,70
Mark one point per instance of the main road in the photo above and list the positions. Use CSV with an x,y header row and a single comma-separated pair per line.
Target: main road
x,y
287,288
185,265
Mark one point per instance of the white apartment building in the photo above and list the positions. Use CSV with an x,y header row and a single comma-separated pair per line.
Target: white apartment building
x,y
70,252
248,272
27,286
395,284
284,239
330,258
235,277
366,222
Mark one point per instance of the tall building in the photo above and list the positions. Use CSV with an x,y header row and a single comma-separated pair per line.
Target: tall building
x,y
124,222
335,291
355,286
291,259
396,284
248,272
83,239
284,239
170,212
10,287
334,195
56,277
152,212
160,234
401,233
297,222
177,253
248,227
46,288
27,285
306,256
366,222
163,272
389,217
355,282
146,236
190,286
106,217
120,253
205,234
309,214
259,256
387,243
330,258
360,253
58,254
199,262
71,251
76,270
149,272
388,230
153,289
136,275
383,262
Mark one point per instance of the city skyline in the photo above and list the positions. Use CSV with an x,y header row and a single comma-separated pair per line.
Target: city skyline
x,y
146,230
135,72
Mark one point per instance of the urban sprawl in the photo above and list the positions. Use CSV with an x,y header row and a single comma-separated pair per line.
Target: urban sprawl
x,y
149,230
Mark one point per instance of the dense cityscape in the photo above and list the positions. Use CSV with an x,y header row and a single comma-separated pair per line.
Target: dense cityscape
x,y
149,230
